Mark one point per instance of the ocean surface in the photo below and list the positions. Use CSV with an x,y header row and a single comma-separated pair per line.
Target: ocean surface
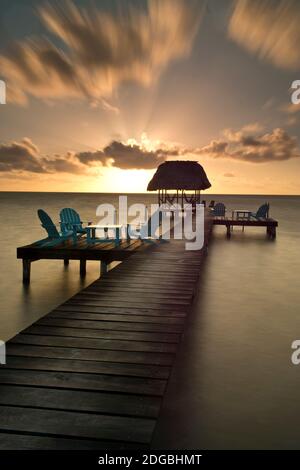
x,y
235,385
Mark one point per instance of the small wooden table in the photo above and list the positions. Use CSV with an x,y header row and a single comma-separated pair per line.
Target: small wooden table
x,y
91,232
241,214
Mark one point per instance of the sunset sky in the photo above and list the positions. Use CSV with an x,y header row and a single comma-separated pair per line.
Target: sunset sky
x,y
99,93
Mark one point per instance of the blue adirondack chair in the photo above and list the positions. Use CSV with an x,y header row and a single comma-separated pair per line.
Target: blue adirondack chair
x,y
262,213
53,233
70,220
219,210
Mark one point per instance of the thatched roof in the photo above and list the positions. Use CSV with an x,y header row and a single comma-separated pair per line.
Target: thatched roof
x,y
187,175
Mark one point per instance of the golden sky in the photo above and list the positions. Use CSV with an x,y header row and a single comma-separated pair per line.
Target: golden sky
x,y
100,93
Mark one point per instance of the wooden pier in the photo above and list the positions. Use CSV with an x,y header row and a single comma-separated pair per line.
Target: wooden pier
x,y
67,250
269,224
93,372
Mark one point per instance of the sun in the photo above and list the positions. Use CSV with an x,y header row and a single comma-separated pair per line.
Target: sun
x,y
145,143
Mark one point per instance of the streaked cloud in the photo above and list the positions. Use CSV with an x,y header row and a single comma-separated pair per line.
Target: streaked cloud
x,y
269,29
100,50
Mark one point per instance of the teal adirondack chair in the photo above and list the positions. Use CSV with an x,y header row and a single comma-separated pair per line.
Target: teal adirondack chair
x,y
53,233
70,220
262,213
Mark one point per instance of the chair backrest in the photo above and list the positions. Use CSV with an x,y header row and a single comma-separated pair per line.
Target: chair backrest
x,y
48,224
219,209
69,217
263,211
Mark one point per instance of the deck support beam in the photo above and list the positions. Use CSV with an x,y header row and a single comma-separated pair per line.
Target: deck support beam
x,y
82,267
26,270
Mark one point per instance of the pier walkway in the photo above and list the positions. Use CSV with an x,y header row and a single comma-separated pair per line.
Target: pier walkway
x,y
92,373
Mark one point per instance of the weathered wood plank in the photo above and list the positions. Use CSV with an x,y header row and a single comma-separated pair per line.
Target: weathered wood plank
x,y
95,332
63,423
85,313
129,301
78,381
103,355
28,358
88,320
141,307
15,441
94,343
59,399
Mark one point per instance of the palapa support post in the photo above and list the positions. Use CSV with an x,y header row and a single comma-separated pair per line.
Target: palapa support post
x,y
66,262
26,271
82,267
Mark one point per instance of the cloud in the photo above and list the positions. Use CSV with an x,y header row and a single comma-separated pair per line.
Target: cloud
x,y
127,156
99,50
291,108
274,146
25,156
240,145
269,29
20,156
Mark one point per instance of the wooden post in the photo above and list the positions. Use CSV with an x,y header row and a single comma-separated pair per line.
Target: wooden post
x,y
66,262
26,271
228,230
271,231
103,268
82,267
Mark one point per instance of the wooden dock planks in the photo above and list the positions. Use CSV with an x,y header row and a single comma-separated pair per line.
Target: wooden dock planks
x,y
93,372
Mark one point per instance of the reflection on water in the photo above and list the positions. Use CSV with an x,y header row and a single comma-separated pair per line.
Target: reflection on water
x,y
234,385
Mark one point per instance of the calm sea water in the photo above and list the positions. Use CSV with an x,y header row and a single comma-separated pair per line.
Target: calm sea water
x,y
235,386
